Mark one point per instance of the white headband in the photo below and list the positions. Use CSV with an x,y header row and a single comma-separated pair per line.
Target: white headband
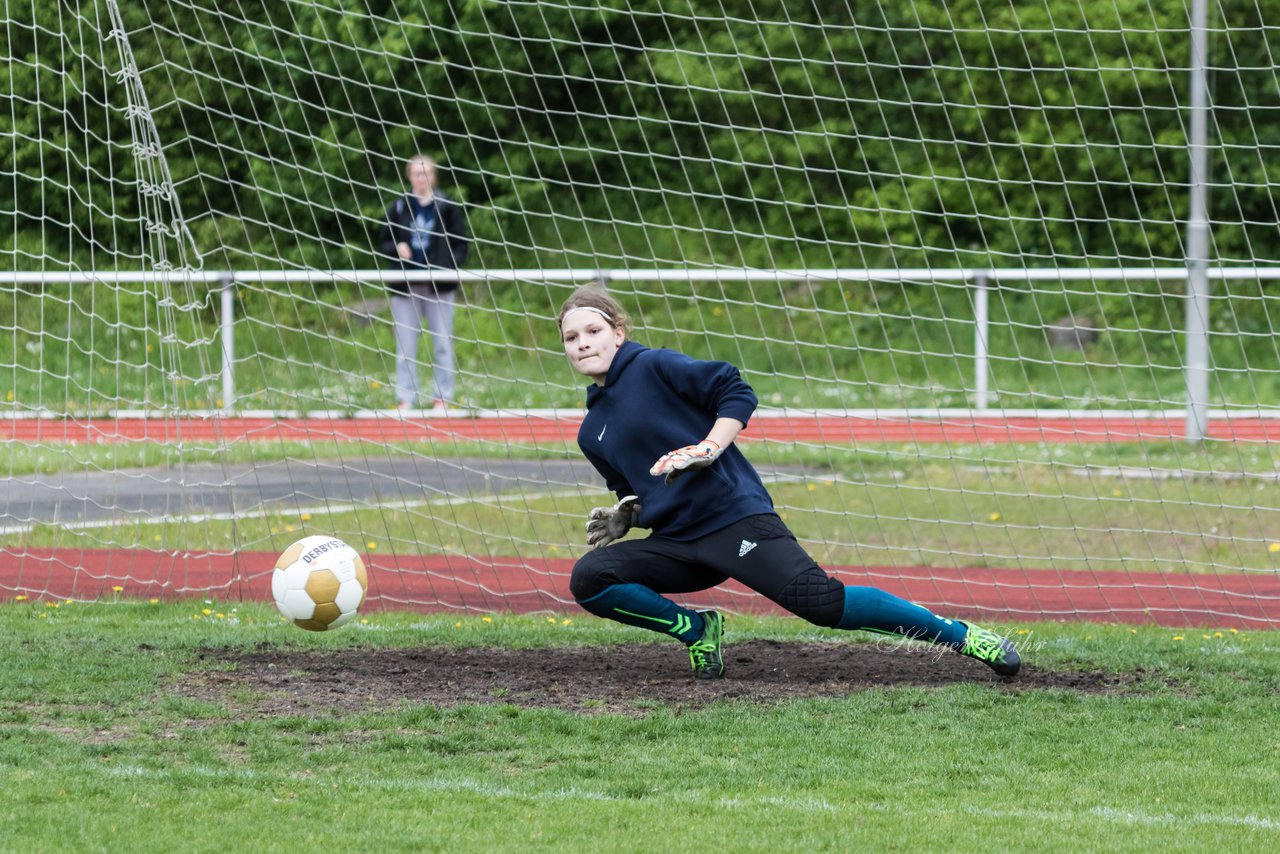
x,y
586,308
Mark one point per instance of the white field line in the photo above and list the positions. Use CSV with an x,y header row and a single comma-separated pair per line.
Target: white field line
x,y
1129,472
1115,815
328,509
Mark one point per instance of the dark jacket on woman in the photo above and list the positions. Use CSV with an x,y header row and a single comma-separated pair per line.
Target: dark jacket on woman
x,y
446,250
656,400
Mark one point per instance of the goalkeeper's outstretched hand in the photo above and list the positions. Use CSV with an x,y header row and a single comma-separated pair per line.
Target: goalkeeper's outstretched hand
x,y
688,458
606,524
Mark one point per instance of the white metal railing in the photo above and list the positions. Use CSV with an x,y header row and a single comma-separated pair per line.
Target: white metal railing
x,y
981,279
917,275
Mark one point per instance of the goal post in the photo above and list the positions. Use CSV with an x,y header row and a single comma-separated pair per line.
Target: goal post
x,y
988,270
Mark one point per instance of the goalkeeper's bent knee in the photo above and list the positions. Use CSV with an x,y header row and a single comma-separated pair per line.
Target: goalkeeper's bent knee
x,y
592,574
814,596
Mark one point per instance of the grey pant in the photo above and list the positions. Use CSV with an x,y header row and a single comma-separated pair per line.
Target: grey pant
x,y
407,314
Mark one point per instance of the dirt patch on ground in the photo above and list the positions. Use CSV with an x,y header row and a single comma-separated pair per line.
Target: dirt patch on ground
x,y
620,679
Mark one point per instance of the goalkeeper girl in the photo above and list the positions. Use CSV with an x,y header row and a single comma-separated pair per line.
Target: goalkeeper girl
x,y
711,517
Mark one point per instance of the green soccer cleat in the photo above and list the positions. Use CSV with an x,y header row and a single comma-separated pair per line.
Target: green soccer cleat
x,y
992,650
705,654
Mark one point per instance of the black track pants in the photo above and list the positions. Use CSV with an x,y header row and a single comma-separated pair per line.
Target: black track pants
x,y
760,552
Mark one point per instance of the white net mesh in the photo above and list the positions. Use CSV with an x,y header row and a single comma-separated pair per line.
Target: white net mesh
x,y
944,242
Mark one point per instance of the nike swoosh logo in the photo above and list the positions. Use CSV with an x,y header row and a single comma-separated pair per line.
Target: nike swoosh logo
x,y
600,438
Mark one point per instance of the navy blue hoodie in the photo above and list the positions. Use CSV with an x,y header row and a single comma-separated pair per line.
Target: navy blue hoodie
x,y
653,402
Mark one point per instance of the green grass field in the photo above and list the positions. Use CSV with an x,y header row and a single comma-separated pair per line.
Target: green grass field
x,y
99,752
1205,459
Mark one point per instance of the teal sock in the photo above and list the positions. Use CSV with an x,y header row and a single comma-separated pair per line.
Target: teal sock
x,y
637,605
873,610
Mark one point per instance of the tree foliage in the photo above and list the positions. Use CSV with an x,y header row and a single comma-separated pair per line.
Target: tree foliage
x,y
767,133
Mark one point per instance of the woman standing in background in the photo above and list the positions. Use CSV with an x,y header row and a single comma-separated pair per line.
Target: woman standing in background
x,y
423,230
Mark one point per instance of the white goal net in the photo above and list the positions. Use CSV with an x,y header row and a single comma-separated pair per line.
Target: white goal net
x,y
946,243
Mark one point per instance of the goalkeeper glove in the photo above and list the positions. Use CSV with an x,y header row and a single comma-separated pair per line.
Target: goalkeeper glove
x,y
606,524
688,458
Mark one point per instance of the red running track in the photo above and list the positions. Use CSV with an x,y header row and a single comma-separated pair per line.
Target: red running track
x,y
442,583
553,428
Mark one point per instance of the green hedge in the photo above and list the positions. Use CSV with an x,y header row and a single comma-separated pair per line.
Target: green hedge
x,y
762,133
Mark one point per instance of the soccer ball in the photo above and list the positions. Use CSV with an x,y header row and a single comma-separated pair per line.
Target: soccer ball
x,y
319,583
